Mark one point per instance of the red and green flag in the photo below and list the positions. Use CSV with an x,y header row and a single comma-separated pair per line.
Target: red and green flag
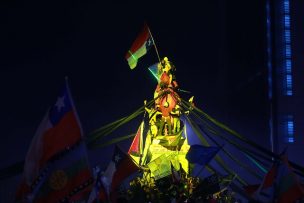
x,y
140,47
68,178
136,148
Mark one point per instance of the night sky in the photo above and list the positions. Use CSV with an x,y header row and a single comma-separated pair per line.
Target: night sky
x,y
217,47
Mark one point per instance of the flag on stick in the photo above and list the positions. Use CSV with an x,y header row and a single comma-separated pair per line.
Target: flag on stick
x,y
120,167
140,46
136,148
56,167
154,71
98,192
265,189
280,184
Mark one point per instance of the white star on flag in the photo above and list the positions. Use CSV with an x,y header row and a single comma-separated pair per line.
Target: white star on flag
x,y
59,103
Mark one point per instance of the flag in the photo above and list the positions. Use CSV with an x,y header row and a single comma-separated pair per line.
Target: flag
x,y
270,176
154,71
201,155
265,189
119,168
136,148
56,166
98,192
279,183
139,47
67,178
288,188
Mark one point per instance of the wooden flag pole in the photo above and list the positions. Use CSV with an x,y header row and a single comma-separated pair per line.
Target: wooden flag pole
x,y
154,44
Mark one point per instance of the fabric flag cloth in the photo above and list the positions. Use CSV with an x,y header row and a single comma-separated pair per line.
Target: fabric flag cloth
x,y
98,192
288,188
120,167
154,71
136,148
56,167
280,184
264,190
139,47
201,155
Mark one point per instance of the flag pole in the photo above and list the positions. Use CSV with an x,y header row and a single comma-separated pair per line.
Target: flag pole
x,y
156,50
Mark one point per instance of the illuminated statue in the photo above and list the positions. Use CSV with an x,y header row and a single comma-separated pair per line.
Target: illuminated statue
x,y
166,141
153,120
176,113
165,96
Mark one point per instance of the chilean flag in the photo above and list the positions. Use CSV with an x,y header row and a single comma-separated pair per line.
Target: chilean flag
x,y
140,46
57,133
120,167
98,193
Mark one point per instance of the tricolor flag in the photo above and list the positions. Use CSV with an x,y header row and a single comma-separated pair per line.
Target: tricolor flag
x,y
136,148
120,167
140,46
56,167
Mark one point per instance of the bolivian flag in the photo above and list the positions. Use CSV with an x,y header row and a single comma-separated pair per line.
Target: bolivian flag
x,y
139,47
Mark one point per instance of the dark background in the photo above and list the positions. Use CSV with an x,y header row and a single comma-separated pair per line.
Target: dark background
x,y
217,46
